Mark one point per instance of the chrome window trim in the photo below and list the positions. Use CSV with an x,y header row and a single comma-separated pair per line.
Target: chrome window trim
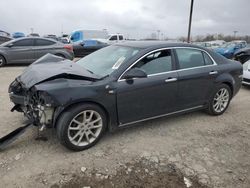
x,y
163,115
169,48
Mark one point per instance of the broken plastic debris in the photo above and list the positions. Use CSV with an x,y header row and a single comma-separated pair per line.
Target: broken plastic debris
x,y
187,182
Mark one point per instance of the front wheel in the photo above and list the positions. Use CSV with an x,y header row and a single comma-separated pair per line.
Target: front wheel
x,y
220,100
81,126
2,61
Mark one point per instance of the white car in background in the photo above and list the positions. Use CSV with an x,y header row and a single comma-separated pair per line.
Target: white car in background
x,y
246,73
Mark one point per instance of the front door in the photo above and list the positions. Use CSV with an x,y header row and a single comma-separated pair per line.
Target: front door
x,y
21,51
143,98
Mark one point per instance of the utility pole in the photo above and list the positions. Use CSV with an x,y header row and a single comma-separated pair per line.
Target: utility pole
x,y
158,31
190,21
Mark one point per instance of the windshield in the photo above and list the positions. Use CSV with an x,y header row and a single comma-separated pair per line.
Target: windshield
x,y
104,61
107,37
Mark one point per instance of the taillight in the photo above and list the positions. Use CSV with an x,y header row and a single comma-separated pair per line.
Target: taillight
x,y
68,47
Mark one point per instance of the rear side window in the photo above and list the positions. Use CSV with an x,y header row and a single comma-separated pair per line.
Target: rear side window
x,y
189,58
24,42
207,59
157,62
41,42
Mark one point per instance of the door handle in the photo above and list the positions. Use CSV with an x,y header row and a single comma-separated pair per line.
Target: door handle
x,y
171,80
213,72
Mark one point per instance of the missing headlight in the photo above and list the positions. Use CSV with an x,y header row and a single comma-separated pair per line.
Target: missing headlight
x,y
40,109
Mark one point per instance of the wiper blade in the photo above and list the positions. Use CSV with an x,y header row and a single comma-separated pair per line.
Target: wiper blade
x,y
90,71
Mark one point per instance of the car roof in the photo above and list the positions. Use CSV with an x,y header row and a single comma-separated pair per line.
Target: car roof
x,y
155,44
43,38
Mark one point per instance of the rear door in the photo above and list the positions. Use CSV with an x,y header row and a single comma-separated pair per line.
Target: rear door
x,y
196,76
42,47
22,51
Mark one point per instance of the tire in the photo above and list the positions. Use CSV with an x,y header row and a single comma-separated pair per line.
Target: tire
x,y
79,129
2,61
220,100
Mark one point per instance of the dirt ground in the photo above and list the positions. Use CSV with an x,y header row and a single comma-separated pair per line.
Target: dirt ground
x,y
204,150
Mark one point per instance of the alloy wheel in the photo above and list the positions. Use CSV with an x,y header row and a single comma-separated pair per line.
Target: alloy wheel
x,y
1,61
85,128
221,100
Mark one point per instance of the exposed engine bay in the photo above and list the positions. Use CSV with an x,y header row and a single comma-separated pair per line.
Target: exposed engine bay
x,y
36,105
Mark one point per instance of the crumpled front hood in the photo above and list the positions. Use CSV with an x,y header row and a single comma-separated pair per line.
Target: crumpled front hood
x,y
51,67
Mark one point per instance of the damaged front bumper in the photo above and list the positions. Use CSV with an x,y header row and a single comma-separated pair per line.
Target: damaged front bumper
x,y
37,106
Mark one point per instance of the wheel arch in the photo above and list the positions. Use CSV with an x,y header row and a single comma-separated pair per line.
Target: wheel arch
x,y
228,80
1,54
230,85
61,110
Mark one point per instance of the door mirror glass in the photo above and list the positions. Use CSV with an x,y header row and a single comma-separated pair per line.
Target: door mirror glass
x,y
135,73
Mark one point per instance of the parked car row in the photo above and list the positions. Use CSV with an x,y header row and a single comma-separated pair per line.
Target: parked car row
x,y
237,49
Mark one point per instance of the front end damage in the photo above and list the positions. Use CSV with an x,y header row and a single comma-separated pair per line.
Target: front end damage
x,y
37,106
42,90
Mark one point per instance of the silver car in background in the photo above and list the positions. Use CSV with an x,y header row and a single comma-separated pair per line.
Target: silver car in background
x,y
29,49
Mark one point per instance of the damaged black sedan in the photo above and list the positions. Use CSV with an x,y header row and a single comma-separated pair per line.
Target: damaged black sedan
x,y
121,85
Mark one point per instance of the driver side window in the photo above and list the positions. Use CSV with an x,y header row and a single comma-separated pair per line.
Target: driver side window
x,y
156,62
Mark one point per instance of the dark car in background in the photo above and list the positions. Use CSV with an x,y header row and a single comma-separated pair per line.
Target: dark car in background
x,y
29,49
229,49
123,84
33,35
242,55
86,47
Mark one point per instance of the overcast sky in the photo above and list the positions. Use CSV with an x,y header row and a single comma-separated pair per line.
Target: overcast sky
x,y
133,18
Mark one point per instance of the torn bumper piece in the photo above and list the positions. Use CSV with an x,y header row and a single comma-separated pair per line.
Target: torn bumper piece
x,y
12,136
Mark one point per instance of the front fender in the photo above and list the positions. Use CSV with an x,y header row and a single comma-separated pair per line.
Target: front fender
x,y
108,107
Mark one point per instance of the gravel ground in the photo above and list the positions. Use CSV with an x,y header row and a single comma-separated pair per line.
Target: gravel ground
x,y
208,151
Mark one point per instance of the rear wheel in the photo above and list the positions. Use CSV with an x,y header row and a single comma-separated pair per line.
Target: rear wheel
x,y
2,61
220,100
81,126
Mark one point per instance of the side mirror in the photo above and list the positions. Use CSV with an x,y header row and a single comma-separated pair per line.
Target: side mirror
x,y
10,45
134,73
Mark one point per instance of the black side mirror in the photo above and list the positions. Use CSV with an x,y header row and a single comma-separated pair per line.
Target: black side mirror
x,y
135,73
